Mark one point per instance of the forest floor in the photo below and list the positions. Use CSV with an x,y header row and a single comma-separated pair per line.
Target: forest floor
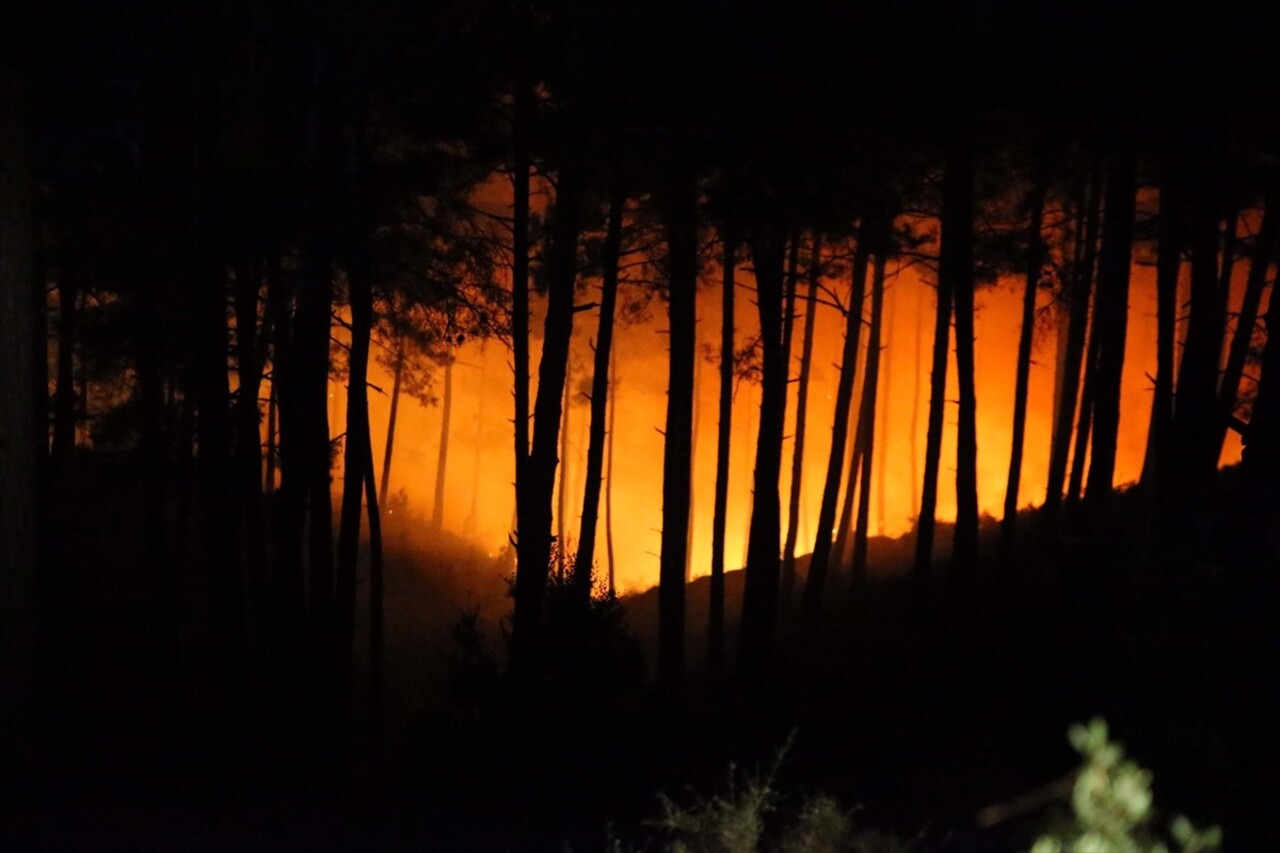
x,y
918,715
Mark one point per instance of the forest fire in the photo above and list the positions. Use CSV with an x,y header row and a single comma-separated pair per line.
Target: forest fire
x,y
450,425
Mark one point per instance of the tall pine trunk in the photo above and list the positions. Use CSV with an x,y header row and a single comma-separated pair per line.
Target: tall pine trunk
x,y
819,561
1077,328
724,435
356,469
677,473
1109,323
536,491
957,262
397,375
608,493
760,593
1168,264
867,421
797,453
1035,259
584,565
520,288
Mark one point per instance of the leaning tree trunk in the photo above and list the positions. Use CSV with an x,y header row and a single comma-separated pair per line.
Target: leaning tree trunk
x,y
957,261
1035,259
867,424
1247,320
682,247
819,561
397,374
584,564
715,616
534,498
1109,320
926,521
1077,327
797,453
760,593
442,455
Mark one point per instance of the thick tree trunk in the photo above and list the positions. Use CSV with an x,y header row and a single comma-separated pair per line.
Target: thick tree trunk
x,y
797,453
957,261
760,594
677,472
867,424
1247,320
397,374
442,454
1110,319
1035,259
724,436
537,489
600,397
819,562
1078,326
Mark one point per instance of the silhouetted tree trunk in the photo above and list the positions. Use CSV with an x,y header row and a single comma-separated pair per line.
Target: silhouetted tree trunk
x,y
916,373
760,594
819,562
21,437
1035,260
1109,320
1261,457
375,593
1247,321
1084,422
1168,264
797,453
1077,327
957,261
600,396
890,312
250,357
1195,411
867,421
397,374
442,453
520,287
534,498
269,479
926,521
677,473
354,452
562,489
724,436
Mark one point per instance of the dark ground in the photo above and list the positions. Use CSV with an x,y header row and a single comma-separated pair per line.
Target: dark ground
x,y
918,716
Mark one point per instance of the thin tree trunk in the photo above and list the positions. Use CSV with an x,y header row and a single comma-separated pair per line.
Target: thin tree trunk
x,y
819,562
693,461
1110,320
535,493
397,375
376,658
250,358
867,422
891,306
677,473
1084,423
1247,320
1168,265
760,594
442,456
562,488
269,482
916,373
957,261
1078,326
1035,259
797,453
600,397
724,436
520,292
